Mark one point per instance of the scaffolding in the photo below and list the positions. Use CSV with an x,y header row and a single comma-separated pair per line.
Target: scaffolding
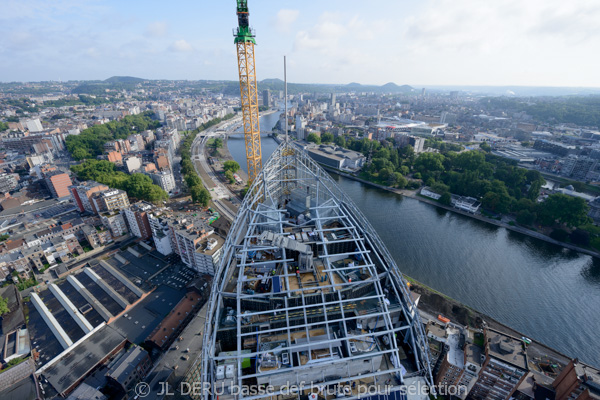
x,y
343,320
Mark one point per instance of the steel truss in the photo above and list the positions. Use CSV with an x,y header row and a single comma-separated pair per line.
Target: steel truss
x,y
331,305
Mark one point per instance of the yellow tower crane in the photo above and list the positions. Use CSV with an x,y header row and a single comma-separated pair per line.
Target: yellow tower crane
x,y
244,41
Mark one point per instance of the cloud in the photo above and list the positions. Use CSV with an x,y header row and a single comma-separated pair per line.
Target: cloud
x,y
28,9
484,27
323,36
181,46
284,20
157,29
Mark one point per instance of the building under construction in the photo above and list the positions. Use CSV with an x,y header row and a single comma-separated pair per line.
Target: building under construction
x,y
308,297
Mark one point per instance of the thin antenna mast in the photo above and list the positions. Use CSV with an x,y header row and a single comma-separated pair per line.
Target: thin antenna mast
x,y
285,97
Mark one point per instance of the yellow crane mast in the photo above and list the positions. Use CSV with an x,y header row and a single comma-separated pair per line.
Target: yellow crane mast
x,y
244,41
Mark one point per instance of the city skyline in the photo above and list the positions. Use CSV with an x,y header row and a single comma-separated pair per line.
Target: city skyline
x,y
538,43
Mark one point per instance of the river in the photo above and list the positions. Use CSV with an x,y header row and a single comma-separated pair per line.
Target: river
x,y
545,291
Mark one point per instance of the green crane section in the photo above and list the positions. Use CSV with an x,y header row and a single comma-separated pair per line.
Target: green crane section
x,y
244,33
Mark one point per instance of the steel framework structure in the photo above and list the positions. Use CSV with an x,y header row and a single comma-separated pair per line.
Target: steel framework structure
x,y
244,40
350,320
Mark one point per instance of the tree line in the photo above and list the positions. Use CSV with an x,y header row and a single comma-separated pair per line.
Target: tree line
x,y
499,183
90,142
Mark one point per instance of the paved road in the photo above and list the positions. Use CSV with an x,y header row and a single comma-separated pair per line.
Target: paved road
x,y
210,180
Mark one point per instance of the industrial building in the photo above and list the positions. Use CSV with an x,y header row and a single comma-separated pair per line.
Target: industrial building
x,y
504,367
58,183
337,157
307,293
129,369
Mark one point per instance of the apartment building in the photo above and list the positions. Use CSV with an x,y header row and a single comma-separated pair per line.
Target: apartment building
x,y
160,234
110,200
8,182
164,179
137,219
114,222
193,240
82,194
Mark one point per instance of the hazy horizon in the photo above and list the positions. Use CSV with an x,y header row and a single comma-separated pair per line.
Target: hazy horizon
x,y
460,43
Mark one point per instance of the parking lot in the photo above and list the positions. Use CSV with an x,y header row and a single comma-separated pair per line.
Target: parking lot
x,y
176,276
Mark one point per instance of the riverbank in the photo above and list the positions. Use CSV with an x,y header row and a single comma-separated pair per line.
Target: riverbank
x,y
414,195
508,277
433,303
224,154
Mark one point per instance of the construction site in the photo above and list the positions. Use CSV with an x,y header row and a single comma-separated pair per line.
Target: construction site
x,y
308,295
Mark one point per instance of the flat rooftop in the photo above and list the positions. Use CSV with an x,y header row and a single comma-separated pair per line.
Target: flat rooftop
x,y
138,322
506,348
79,360
203,245
165,329
455,342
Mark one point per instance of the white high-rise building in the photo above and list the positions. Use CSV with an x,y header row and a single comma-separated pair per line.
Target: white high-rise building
x,y
160,234
164,179
300,124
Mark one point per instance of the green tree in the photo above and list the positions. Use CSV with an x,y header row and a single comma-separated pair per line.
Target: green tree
x,y
470,160
498,202
217,144
313,138
200,195
195,192
192,180
445,198
326,137
136,185
340,141
232,166
400,180
3,306
384,174
229,176
485,147
80,154
525,217
204,198
440,188
567,210
3,126
430,164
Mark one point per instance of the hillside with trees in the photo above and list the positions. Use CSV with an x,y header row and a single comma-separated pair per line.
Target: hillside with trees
x,y
137,186
90,142
582,111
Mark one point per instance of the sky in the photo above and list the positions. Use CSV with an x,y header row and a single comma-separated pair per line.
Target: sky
x,y
415,42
